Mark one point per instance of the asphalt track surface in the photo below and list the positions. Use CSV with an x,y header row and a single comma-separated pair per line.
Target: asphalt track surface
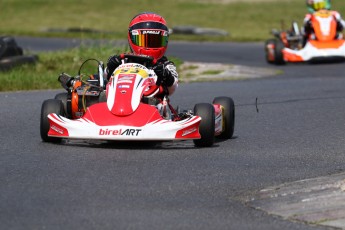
x,y
297,133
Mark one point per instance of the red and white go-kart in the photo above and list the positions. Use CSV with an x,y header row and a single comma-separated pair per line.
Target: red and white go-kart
x,y
128,108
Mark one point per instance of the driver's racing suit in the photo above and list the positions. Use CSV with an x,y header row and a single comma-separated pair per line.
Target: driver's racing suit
x,y
308,28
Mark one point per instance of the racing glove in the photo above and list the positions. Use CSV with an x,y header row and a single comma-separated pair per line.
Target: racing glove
x,y
112,64
164,75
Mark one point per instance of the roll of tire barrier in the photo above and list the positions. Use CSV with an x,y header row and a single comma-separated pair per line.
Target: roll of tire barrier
x,y
10,62
9,47
198,31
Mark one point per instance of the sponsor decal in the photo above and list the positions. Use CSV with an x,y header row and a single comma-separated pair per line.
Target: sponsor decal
x,y
124,81
56,129
119,132
125,66
125,78
188,131
140,66
151,32
135,32
124,86
123,91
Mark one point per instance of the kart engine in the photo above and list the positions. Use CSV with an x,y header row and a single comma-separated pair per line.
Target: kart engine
x,y
82,96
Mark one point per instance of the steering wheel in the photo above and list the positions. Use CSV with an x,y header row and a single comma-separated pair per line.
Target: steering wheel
x,y
146,61
141,59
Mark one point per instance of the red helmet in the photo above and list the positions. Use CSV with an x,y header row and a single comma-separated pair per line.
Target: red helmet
x,y
148,34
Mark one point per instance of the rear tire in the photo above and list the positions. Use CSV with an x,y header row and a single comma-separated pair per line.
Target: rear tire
x,y
278,52
49,106
229,116
207,124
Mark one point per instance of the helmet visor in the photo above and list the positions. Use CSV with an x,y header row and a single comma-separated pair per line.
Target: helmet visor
x,y
149,34
318,5
149,38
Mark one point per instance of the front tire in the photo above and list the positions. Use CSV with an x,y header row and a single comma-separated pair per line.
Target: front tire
x,y
207,124
269,52
63,98
229,116
49,106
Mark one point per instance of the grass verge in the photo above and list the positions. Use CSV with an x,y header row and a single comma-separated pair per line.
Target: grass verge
x,y
243,20
44,74
108,19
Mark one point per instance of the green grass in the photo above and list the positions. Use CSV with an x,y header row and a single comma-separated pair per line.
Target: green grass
x,y
244,21
44,74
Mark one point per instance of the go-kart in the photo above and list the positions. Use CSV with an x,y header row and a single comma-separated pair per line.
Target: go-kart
x,y
324,44
131,106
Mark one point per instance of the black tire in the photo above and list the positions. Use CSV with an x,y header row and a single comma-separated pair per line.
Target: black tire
x,y
9,47
49,106
207,124
269,42
63,98
229,116
11,62
2,47
278,52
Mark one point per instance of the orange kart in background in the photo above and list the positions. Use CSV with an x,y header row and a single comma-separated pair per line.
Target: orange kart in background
x,y
325,44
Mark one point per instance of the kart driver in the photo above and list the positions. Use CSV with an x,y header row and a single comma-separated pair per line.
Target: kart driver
x,y
148,35
314,6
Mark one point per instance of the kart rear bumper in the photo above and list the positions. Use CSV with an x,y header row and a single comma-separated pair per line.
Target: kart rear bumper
x,y
316,51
